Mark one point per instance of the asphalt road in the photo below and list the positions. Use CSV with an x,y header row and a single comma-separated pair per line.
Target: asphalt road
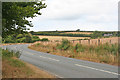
x,y
65,67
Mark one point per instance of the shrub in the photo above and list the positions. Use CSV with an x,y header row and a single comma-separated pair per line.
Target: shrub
x,y
28,38
44,39
9,56
37,44
19,36
22,38
65,44
79,48
97,34
35,38
6,53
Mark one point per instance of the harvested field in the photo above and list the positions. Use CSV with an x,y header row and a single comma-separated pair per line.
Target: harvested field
x,y
59,38
78,33
112,40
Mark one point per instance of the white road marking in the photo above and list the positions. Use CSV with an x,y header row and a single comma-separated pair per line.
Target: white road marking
x,y
29,53
54,59
42,57
49,58
97,69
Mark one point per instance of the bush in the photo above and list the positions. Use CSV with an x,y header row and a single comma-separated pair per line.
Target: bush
x,y
97,34
113,48
35,38
21,38
37,44
6,53
9,56
79,48
9,39
28,38
44,39
65,44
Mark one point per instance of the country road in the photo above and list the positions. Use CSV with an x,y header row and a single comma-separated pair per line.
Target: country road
x,y
63,67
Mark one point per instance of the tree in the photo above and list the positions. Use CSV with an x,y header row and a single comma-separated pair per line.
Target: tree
x,y
19,36
15,14
31,32
78,30
28,38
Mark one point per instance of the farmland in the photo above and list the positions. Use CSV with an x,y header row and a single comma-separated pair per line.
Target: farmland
x,y
96,47
59,38
78,33
91,34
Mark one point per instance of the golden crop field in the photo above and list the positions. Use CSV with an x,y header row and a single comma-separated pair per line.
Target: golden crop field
x,y
59,38
77,33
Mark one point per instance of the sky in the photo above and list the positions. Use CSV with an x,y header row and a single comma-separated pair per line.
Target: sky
x,y
86,15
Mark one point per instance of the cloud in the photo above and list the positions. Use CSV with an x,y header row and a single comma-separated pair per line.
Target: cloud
x,y
91,13
71,9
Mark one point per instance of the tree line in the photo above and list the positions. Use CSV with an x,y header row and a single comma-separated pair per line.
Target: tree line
x,y
95,34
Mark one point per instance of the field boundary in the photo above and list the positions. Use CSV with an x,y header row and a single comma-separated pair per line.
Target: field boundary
x,y
112,40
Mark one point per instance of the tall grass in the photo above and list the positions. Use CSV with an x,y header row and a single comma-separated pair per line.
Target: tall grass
x,y
6,54
64,45
100,49
103,53
106,53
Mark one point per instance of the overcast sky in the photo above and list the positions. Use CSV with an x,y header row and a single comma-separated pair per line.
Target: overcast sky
x,y
101,15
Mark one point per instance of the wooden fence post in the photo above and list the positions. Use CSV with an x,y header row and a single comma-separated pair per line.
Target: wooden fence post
x,y
80,41
95,42
98,41
73,41
110,41
89,41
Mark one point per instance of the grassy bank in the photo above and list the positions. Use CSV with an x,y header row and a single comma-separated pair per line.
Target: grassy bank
x,y
12,67
104,53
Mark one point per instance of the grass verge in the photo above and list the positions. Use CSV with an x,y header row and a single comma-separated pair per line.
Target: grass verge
x,y
12,67
103,53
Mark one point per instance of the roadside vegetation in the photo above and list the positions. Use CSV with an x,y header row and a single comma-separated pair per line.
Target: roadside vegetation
x,y
12,67
103,53
22,38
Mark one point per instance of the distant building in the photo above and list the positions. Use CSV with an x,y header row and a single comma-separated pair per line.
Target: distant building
x,y
108,34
